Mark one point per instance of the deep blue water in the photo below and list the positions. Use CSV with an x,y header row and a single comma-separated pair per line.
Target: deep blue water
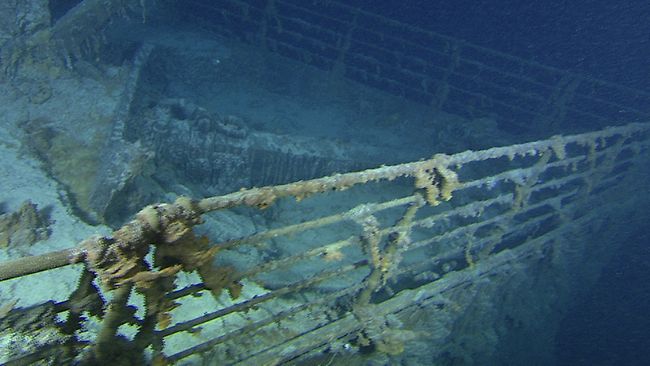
x,y
610,325
603,38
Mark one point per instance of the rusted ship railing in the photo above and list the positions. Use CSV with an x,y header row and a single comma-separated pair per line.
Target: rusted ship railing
x,y
508,201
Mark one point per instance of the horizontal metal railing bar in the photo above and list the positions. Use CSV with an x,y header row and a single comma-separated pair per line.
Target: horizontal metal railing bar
x,y
514,175
247,304
555,182
333,182
38,263
459,252
543,145
279,316
278,263
319,337
311,224
459,230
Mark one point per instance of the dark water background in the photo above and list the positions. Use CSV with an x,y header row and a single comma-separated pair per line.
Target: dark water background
x,y
610,326
602,38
